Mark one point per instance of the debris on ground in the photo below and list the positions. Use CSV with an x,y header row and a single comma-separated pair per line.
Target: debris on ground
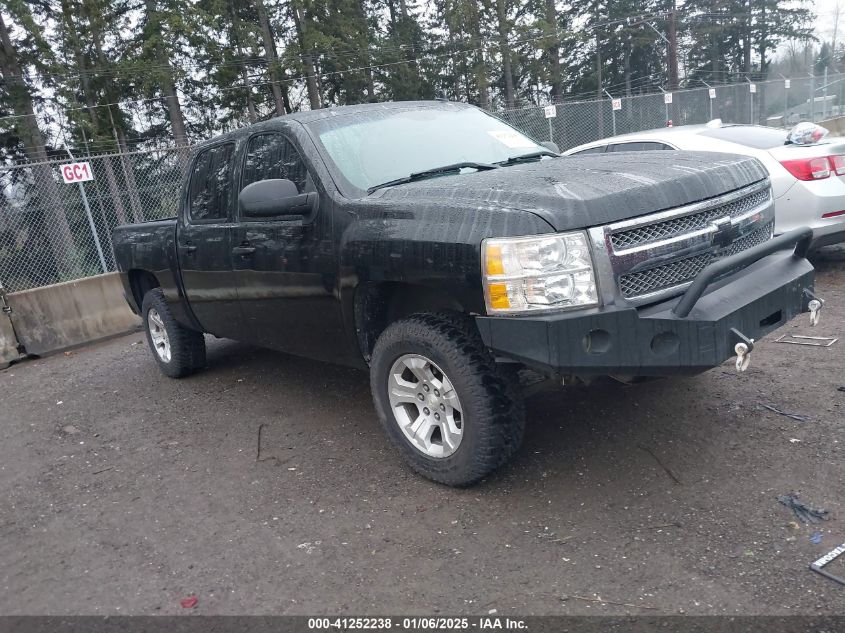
x,y
601,600
803,513
190,602
809,341
669,472
842,388
817,565
795,416
816,538
309,547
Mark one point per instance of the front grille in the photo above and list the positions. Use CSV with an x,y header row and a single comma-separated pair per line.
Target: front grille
x,y
685,270
688,223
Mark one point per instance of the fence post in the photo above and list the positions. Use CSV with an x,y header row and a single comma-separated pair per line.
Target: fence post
x,y
750,101
785,98
93,228
824,95
710,95
90,221
812,98
612,111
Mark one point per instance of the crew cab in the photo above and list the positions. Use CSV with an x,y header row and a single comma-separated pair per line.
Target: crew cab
x,y
444,251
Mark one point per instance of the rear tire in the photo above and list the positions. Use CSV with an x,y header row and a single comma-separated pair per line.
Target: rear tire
x,y
480,413
178,350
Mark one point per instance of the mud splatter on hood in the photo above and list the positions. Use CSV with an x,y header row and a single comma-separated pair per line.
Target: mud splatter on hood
x,y
581,191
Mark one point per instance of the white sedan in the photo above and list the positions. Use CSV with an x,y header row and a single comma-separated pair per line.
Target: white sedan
x,y
808,179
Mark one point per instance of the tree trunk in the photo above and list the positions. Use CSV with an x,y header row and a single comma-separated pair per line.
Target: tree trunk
x,y
504,49
366,58
762,50
746,40
129,177
50,199
307,61
450,27
714,44
168,84
673,50
91,98
626,66
480,67
554,52
599,94
236,39
271,56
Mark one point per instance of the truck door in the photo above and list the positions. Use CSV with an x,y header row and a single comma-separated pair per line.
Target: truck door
x,y
204,241
286,266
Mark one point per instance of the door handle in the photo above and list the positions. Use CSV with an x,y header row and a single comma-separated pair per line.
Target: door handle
x,y
243,250
188,248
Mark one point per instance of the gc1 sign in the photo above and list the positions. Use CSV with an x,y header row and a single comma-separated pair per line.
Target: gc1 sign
x,y
76,172
550,111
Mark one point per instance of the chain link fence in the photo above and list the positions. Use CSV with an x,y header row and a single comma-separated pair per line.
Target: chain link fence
x,y
52,232
779,103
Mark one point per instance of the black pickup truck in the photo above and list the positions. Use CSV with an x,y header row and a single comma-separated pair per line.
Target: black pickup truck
x,y
446,251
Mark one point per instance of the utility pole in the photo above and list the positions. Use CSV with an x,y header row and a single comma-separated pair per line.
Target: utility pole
x,y
709,98
612,111
824,94
599,100
812,98
673,50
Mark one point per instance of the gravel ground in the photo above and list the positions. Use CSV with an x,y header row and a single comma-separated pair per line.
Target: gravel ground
x,y
122,491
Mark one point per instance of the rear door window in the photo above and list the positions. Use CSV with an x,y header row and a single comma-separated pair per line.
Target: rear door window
x,y
210,190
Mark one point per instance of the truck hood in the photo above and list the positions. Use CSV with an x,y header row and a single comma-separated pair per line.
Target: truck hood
x,y
575,192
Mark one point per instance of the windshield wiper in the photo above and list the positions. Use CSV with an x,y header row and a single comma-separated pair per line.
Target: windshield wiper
x,y
513,160
434,171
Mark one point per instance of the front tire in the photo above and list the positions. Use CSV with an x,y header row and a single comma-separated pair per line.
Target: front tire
x,y
454,414
179,351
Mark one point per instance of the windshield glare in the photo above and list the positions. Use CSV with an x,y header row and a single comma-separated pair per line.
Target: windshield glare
x,y
392,144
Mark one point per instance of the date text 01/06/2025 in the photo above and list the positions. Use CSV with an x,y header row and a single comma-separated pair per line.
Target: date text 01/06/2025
x,y
416,623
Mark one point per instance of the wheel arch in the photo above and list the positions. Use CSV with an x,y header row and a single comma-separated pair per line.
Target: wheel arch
x,y
140,283
377,305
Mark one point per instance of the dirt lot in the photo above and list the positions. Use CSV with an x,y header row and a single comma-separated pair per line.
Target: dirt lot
x,y
122,491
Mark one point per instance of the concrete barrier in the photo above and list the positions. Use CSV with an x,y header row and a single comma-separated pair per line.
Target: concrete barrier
x,y
8,342
835,125
71,313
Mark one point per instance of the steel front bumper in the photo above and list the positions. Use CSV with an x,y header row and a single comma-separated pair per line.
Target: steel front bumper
x,y
736,299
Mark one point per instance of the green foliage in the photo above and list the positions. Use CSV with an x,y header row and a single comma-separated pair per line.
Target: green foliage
x,y
115,74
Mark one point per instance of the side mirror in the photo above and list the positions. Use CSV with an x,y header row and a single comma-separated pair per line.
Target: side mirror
x,y
551,145
275,197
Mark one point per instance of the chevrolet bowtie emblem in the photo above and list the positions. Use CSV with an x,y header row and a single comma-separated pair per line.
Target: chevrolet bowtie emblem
x,y
726,232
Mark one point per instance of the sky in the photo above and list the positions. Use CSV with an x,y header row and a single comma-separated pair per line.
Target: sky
x,y
825,14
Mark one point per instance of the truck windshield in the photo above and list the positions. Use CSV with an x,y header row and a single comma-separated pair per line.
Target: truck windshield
x,y
390,145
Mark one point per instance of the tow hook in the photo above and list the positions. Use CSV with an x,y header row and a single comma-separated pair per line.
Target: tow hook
x,y
742,348
814,306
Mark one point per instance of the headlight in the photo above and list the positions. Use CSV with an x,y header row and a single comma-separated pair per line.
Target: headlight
x,y
545,272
